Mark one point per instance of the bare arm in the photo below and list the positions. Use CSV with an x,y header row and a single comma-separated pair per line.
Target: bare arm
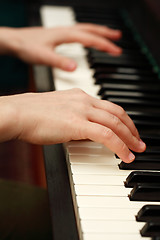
x,y
55,117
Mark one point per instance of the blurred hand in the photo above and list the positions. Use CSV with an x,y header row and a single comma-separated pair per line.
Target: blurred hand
x,y
36,44
56,117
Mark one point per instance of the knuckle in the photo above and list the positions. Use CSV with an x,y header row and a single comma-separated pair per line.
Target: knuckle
x,y
123,147
107,133
82,95
116,121
121,112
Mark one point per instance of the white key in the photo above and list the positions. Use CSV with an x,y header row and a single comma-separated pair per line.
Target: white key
x,y
83,143
103,151
92,159
98,169
110,202
107,213
98,179
113,236
101,190
104,226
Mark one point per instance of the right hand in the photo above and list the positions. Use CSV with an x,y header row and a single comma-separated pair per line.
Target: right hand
x,y
61,116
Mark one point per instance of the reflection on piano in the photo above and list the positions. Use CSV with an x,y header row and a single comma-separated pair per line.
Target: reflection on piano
x,y
107,193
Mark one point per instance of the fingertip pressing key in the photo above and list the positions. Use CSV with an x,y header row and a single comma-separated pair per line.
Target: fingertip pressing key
x,y
142,145
131,157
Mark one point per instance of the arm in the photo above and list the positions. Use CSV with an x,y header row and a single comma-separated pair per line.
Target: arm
x,y
36,44
56,117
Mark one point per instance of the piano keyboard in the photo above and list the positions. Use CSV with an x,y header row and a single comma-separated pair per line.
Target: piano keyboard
x,y
106,208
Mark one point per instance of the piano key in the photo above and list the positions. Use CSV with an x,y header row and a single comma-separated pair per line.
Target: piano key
x,y
112,236
123,57
125,94
150,116
141,72
98,169
152,140
156,238
151,229
145,192
114,202
98,179
107,214
140,165
141,177
108,226
130,87
134,102
89,151
123,78
101,190
149,213
83,143
92,159
93,53
119,63
149,155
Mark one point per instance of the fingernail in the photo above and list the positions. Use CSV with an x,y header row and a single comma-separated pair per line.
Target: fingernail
x,y
131,157
142,145
71,66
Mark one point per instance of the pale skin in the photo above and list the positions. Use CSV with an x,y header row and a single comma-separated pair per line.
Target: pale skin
x,y
61,116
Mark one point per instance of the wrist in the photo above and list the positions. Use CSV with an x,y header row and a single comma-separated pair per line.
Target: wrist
x,y
8,41
8,119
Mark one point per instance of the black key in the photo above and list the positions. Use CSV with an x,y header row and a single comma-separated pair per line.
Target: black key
x,y
142,87
141,177
146,120
150,116
102,20
156,238
123,78
145,192
141,72
126,56
136,95
120,63
124,102
152,153
149,213
108,12
151,140
151,229
140,165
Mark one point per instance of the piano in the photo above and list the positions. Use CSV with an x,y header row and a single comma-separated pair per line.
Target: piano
x,y
92,193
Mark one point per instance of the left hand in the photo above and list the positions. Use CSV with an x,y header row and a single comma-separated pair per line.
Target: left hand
x,y
36,44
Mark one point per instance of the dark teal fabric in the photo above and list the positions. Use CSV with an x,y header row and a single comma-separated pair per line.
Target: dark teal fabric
x,y
13,72
13,13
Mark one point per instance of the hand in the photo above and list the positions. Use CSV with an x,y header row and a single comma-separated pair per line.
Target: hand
x,y
36,44
56,117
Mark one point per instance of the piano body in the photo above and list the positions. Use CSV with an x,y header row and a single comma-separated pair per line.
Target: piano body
x,y
93,195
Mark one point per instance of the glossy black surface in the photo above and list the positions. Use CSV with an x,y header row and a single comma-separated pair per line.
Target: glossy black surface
x,y
149,213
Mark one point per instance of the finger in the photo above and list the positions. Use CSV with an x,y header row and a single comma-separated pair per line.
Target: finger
x,y
119,128
48,57
118,112
100,30
106,136
89,40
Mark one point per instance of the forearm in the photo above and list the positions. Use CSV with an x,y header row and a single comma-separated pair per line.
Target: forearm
x,y
8,43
